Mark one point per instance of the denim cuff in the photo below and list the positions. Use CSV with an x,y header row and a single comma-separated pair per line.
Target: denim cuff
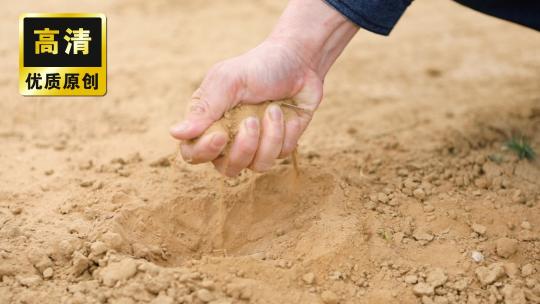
x,y
377,16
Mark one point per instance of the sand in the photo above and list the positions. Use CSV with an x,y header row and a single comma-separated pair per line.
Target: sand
x,y
406,192
231,120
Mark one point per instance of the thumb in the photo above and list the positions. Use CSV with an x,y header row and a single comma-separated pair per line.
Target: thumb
x,y
217,94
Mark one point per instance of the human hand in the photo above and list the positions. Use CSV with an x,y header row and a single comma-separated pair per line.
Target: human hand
x,y
290,64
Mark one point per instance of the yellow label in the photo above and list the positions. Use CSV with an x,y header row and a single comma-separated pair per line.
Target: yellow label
x,y
62,54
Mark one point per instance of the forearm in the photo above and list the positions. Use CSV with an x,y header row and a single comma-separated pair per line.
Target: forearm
x,y
317,31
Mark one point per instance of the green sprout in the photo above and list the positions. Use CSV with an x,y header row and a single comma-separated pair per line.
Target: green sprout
x,y
383,234
522,148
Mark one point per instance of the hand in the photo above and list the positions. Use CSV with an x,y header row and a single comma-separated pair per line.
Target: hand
x,y
291,63
271,71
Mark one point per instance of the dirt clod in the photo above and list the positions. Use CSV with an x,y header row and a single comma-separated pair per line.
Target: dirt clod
x,y
480,229
204,295
436,277
506,247
489,274
118,271
80,263
48,273
308,278
411,279
329,297
423,289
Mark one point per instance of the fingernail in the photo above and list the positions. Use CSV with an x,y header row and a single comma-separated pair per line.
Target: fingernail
x,y
275,113
252,125
185,155
218,140
180,128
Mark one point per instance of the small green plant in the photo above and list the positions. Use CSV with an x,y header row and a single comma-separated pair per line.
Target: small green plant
x,y
383,234
522,148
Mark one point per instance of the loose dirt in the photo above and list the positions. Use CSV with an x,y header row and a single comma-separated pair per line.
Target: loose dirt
x,y
406,192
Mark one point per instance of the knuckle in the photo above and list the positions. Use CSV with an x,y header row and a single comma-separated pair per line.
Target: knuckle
x,y
199,106
275,138
247,148
212,148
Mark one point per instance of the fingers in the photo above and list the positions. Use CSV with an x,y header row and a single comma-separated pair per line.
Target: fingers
x,y
218,93
293,131
205,149
256,145
271,140
199,117
242,150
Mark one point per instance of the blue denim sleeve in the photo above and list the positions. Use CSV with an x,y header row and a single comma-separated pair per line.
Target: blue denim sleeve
x,y
524,12
378,16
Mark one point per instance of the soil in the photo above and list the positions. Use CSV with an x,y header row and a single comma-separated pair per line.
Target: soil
x,y
230,122
406,193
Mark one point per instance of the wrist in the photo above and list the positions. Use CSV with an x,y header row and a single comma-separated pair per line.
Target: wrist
x,y
315,31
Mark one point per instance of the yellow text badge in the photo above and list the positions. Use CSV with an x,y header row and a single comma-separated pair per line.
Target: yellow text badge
x,y
62,54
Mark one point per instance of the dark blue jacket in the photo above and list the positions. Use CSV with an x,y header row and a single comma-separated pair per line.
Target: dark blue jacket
x,y
380,16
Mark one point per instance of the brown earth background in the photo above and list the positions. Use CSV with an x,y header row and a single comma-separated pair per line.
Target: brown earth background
x,y
404,175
